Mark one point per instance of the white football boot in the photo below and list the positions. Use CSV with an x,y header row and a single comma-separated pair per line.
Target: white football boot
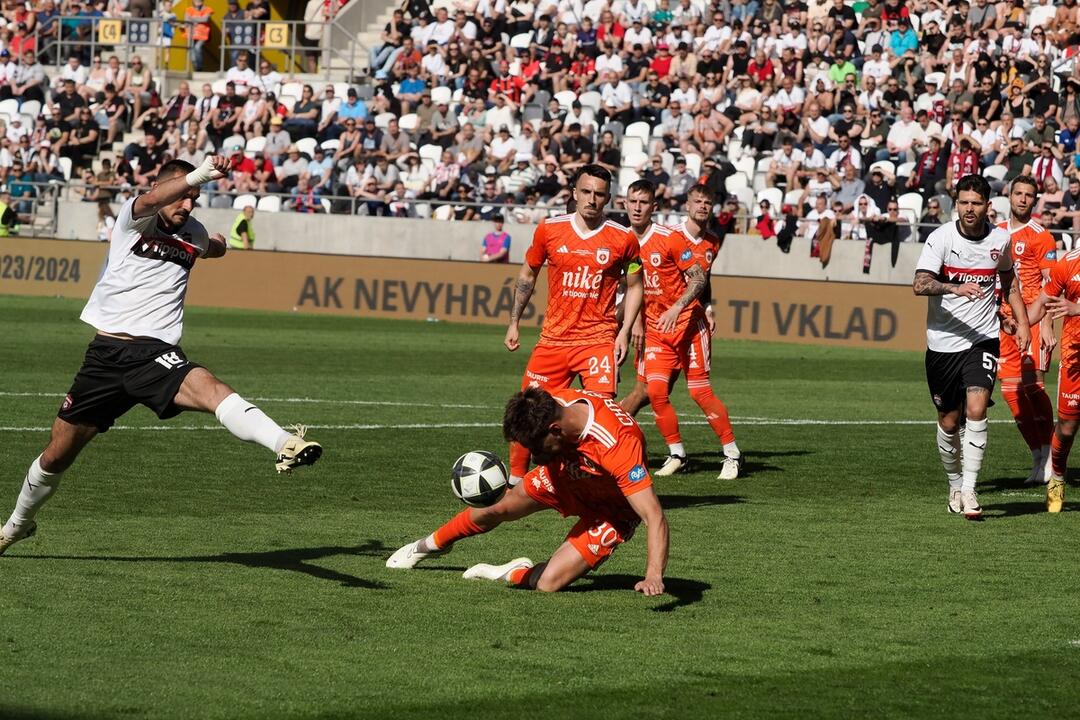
x,y
407,556
972,509
956,502
731,468
6,542
484,571
672,464
297,451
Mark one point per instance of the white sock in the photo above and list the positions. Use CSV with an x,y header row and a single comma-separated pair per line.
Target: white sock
x,y
676,449
515,480
974,447
249,423
37,488
948,445
428,544
732,450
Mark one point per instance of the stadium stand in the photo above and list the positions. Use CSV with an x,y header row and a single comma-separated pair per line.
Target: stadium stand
x,y
461,108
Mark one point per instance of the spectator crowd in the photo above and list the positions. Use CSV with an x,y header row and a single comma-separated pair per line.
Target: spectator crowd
x,y
831,119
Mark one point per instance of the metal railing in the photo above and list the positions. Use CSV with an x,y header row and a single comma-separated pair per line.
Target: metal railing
x,y
108,34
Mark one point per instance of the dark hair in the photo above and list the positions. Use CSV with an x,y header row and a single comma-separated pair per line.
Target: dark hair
x,y
1024,180
528,415
592,170
174,167
975,183
702,190
642,186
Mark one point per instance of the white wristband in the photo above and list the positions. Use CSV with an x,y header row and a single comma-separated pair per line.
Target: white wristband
x,y
201,175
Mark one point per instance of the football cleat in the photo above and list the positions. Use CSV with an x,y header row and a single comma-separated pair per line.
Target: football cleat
x,y
406,557
1055,494
1036,477
297,451
731,468
970,502
484,571
672,465
956,503
6,542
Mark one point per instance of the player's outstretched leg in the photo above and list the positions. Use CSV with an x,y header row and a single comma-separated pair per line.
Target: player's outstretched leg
x,y
667,422
43,478
203,392
564,567
717,415
515,504
1060,446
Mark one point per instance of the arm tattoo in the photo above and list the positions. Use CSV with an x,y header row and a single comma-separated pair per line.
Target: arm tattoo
x,y
523,290
695,282
926,284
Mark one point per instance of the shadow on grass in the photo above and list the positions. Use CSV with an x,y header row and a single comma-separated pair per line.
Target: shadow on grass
x,y
753,462
295,560
682,591
1018,509
677,502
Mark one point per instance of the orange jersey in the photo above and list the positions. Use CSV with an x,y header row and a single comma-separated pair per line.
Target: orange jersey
x,y
1065,282
665,257
609,465
704,248
1033,250
584,269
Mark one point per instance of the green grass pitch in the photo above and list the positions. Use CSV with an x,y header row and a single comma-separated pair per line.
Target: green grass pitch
x,y
176,576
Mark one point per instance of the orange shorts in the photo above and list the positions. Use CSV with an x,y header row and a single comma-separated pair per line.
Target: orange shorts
x,y
639,364
553,367
1068,393
689,351
1010,362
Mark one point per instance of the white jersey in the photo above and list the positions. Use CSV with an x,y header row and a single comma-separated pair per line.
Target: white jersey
x,y
142,288
954,323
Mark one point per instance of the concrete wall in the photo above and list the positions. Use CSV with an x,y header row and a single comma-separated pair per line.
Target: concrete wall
x,y
741,256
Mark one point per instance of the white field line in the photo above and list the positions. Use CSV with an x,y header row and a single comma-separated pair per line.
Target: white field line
x,y
311,401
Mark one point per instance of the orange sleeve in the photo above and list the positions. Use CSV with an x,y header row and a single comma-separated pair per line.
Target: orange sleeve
x,y
683,254
1047,250
627,464
1059,275
537,252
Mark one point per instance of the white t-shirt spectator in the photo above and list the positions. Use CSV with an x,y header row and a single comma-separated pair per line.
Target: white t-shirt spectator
x,y
687,97
443,32
497,117
839,158
819,126
267,82
813,221
987,139
500,148
820,187
330,107
784,100
784,160
632,37
870,100
814,159
904,136
926,101
877,69
79,75
241,78
714,37
433,64
796,42
617,95
612,63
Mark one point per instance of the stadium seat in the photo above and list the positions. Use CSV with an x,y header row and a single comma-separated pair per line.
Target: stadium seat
x,y
9,107
218,86
242,201
382,120
775,196
31,108
330,145
65,165
444,212
747,166
1000,203
995,172
632,146
430,152
591,99
627,177
634,159
541,98
638,130
911,206
745,197
886,166
408,122
255,145
693,164
734,182
341,90
269,203
292,89
667,161
905,169
521,41
1040,15
566,98
532,112
306,146
793,197
327,207
1068,241
441,94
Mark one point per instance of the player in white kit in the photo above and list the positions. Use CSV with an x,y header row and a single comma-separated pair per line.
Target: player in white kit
x,y
957,270
137,308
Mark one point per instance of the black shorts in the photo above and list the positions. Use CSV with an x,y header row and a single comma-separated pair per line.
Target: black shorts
x,y
949,375
116,375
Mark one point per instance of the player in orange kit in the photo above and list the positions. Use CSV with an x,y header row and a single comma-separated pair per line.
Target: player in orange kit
x,y
1059,298
679,337
593,466
1022,374
586,255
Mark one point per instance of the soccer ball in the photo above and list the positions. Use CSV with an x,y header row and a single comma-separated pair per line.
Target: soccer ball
x,y
478,478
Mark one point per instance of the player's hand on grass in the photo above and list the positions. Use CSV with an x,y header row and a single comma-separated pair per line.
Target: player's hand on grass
x,y
1060,307
650,586
666,322
972,291
512,339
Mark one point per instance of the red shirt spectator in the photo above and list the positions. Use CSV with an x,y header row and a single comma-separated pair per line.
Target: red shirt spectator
x,y
661,64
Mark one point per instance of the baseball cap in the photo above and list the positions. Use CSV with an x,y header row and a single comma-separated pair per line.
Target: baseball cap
x,y
276,120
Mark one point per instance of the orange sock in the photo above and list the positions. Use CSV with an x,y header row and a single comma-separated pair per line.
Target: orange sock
x,y
1023,412
715,410
1043,410
1059,454
520,577
519,460
460,526
667,421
